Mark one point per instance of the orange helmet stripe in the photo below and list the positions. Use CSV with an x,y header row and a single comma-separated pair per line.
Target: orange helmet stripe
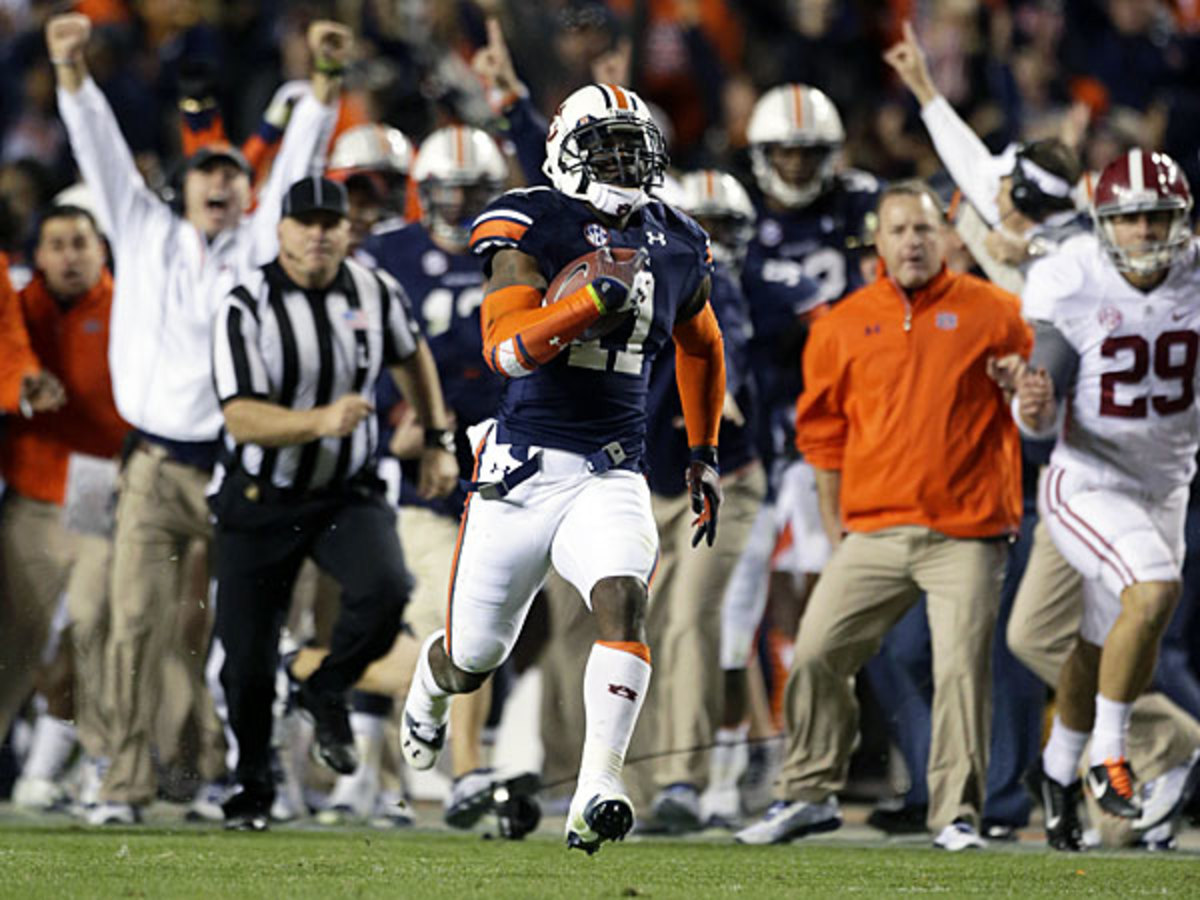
x,y
798,105
709,185
459,148
622,98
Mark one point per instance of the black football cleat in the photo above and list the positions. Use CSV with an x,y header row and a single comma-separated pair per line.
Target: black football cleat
x,y
1060,807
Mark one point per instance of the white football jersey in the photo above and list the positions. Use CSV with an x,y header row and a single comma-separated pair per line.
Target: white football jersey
x,y
1132,421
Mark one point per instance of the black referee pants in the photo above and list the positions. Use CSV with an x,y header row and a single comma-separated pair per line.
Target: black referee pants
x,y
260,545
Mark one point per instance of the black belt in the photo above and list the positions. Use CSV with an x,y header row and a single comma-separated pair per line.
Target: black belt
x,y
198,454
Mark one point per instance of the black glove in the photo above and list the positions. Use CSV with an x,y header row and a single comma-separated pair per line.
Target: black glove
x,y
704,485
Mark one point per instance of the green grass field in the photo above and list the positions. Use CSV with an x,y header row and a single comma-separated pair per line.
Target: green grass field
x,y
68,862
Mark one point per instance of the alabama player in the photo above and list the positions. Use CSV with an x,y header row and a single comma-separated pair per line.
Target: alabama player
x,y
557,472
1114,375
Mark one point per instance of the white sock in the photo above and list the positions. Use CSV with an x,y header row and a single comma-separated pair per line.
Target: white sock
x,y
52,742
1108,735
614,688
427,702
1060,758
728,756
367,726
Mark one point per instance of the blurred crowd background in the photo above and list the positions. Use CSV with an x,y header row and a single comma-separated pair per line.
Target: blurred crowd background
x,y
1105,73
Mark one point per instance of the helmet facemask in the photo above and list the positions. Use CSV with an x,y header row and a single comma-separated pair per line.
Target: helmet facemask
x,y
1153,256
449,207
729,236
799,188
616,162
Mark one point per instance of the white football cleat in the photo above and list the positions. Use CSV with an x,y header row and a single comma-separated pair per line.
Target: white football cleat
x,y
1163,797
600,811
421,742
38,794
114,814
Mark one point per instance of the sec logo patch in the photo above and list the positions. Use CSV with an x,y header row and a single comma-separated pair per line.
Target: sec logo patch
x,y
595,234
1110,318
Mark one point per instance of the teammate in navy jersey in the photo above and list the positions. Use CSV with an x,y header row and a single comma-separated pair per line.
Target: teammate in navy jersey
x,y
458,171
685,623
804,252
558,473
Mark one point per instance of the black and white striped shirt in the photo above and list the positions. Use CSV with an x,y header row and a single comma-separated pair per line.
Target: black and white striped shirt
x,y
278,342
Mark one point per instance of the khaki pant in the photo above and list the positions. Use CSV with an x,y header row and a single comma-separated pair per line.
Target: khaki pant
x,y
41,560
1044,626
870,582
428,540
683,706
160,508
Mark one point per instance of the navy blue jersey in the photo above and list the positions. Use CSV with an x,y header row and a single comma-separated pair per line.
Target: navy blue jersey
x,y
800,260
666,444
594,392
445,291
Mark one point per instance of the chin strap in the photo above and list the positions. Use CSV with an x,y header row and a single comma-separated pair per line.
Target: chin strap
x,y
615,201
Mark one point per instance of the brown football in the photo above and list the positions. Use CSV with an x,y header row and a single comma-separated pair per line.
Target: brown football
x,y
613,261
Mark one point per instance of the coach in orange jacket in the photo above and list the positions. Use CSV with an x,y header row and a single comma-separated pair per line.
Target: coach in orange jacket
x,y
918,472
63,314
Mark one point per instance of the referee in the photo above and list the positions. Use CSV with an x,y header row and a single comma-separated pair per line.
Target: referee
x,y
297,351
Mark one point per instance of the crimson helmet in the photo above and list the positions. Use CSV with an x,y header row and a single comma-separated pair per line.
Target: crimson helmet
x,y
1143,182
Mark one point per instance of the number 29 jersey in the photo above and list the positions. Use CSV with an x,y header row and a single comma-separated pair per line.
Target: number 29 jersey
x,y
594,392
1133,422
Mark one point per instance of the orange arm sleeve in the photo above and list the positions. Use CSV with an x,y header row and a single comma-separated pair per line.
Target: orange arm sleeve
x,y
519,334
16,355
700,375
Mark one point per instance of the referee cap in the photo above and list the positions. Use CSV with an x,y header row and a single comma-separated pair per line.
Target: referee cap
x,y
315,194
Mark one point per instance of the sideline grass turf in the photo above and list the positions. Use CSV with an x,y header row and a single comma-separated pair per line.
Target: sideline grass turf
x,y
70,862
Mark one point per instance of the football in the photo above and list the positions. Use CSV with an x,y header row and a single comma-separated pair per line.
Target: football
x,y
616,262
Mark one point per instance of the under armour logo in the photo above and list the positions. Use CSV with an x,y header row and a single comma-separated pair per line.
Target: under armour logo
x,y
656,238
625,691
873,329
554,341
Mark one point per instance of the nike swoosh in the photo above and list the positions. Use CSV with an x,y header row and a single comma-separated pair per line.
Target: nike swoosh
x,y
1099,787
1178,315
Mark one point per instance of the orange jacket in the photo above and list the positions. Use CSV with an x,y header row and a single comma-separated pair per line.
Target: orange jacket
x,y
897,397
16,356
73,344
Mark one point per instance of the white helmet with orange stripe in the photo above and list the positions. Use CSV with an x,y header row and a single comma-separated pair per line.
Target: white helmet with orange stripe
x,y
604,148
721,205
376,157
795,133
458,171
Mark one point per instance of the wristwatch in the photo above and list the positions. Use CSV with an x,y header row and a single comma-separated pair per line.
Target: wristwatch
x,y
440,438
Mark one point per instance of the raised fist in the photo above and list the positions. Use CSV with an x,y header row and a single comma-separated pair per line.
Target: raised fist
x,y
67,36
330,44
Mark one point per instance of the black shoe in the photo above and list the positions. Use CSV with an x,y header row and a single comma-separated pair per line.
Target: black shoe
x,y
331,721
247,812
903,820
1111,784
1060,806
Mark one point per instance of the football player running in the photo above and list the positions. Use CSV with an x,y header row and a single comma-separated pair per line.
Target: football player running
x,y
458,171
1114,376
557,472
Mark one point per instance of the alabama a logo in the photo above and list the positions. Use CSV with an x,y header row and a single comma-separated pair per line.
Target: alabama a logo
x,y
595,234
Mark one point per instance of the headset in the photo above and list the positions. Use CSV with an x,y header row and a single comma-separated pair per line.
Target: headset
x,y
1028,196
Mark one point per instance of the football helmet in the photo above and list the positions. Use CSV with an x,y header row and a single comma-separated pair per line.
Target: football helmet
x,y
378,155
458,171
1142,181
604,148
794,116
721,205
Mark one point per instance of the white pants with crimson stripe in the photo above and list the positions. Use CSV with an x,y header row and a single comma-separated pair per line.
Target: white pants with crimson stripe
x,y
1113,538
587,526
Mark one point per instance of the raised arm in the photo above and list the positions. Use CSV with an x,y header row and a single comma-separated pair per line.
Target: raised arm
x,y
302,151
964,155
99,147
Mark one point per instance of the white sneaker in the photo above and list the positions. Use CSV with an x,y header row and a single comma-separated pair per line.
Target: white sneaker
x,y
114,814
392,811
470,797
206,805
352,798
37,794
677,808
959,835
1163,797
600,811
787,821
1160,838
